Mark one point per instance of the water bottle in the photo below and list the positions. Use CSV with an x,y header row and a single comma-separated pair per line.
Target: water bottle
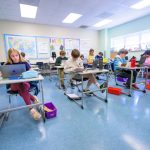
x,y
133,62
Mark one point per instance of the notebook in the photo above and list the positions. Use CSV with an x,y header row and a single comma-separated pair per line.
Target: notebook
x,y
12,71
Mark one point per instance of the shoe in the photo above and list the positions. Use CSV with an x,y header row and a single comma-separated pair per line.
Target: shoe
x,y
97,77
35,114
63,87
88,92
104,85
134,86
126,85
72,85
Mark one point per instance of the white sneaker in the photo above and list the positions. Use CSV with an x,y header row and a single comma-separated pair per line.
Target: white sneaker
x,y
35,114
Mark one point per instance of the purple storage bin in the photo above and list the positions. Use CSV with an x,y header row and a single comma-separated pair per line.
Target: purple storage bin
x,y
52,114
121,79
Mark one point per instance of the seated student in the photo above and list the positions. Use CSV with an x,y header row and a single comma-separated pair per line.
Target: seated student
x,y
24,57
59,61
90,58
99,56
14,57
74,64
120,61
147,56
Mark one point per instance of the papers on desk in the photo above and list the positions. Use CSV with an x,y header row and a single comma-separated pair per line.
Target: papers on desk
x,y
73,96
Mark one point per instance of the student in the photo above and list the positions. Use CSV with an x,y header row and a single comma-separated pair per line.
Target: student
x,y
59,61
99,56
90,56
24,57
147,56
120,61
14,57
74,64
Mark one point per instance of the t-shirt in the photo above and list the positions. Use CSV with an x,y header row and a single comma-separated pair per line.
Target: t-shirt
x,y
90,59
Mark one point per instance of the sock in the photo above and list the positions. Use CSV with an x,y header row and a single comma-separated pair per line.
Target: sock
x,y
97,84
87,87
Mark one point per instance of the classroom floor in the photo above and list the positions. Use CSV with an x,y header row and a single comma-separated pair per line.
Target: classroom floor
x,y
121,124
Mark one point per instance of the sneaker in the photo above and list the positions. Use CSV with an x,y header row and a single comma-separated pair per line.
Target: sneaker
x,y
134,86
63,87
104,85
35,114
97,77
126,85
88,92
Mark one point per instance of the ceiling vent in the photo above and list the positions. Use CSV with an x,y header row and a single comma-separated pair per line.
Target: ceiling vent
x,y
83,26
104,15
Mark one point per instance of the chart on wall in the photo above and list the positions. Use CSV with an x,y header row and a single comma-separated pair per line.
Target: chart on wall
x,y
56,44
43,47
71,44
26,44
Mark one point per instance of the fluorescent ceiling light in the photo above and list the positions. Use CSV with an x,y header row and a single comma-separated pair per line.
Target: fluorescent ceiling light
x,y
140,5
72,17
28,11
102,23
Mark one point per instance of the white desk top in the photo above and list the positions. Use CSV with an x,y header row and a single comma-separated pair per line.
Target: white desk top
x,y
131,68
93,71
59,67
8,81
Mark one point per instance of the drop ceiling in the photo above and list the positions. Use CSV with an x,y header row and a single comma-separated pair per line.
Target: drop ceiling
x,y
52,12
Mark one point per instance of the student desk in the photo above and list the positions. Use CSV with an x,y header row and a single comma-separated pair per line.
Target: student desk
x,y
4,112
132,69
93,72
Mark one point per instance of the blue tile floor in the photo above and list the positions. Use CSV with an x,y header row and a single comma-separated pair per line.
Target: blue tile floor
x,y
121,124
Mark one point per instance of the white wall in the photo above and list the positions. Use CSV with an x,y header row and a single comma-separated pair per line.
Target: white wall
x,y
9,27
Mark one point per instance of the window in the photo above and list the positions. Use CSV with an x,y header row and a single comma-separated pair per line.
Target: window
x,y
145,41
117,43
132,43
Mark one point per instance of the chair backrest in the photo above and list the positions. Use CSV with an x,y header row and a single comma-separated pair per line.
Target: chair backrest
x,y
40,65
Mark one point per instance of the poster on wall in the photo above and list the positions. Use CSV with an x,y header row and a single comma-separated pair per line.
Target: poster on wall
x,y
43,47
26,44
56,44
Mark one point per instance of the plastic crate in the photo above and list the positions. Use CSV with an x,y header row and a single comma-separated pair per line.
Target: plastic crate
x,y
121,79
53,111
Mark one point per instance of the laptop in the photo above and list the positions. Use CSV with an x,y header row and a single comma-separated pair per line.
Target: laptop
x,y
96,64
12,71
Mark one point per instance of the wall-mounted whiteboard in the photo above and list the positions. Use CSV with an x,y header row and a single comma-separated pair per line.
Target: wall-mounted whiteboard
x,y
43,47
72,44
26,44
85,46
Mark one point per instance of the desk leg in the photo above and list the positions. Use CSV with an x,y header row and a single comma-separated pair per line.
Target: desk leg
x,y
145,80
107,87
131,79
82,106
43,112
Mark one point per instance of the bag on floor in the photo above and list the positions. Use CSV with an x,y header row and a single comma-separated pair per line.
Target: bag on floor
x,y
115,91
148,86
